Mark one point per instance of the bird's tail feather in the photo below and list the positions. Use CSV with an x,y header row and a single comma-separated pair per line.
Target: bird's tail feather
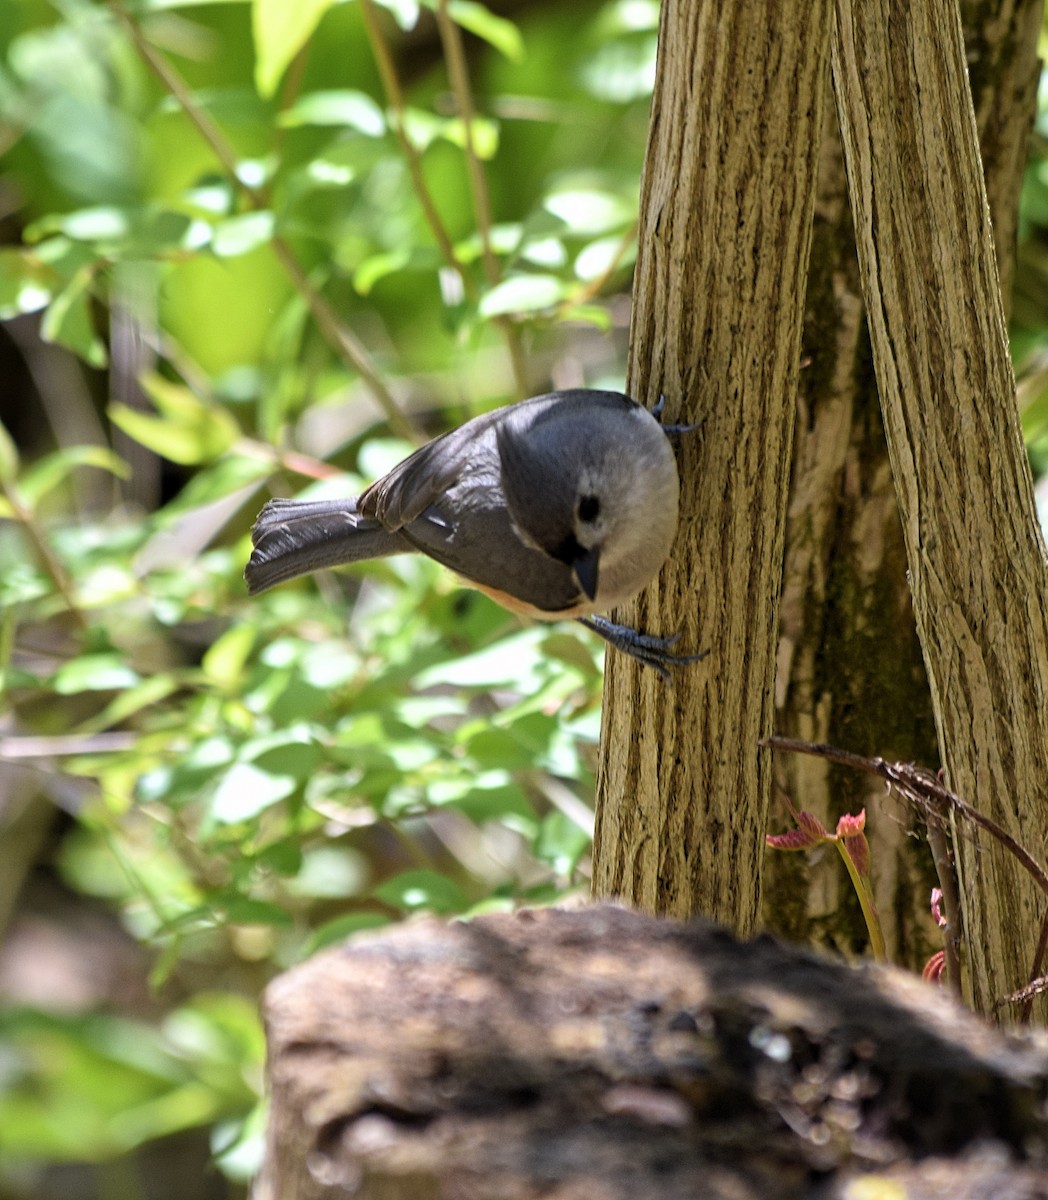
x,y
294,537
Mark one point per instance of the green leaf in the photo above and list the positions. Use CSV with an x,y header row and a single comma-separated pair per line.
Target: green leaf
x,y
562,843
342,106
281,28
423,889
94,673
26,285
496,31
343,927
523,294
53,470
590,211
223,663
379,266
67,321
8,457
242,234
222,477
603,256
245,791
485,136
245,910
187,431
515,660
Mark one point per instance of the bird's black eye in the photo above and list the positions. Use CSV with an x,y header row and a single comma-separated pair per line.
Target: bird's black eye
x,y
589,508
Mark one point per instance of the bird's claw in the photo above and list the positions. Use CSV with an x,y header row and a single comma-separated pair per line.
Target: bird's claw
x,y
673,432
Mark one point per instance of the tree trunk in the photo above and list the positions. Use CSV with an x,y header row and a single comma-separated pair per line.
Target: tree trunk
x,y
725,232
850,668
974,549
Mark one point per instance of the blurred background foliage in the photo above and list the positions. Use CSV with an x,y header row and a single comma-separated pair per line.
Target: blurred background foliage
x,y
253,248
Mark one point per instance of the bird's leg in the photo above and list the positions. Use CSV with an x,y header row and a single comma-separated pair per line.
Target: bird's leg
x,y
646,648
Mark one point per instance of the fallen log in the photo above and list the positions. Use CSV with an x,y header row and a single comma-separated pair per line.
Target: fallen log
x,y
601,1054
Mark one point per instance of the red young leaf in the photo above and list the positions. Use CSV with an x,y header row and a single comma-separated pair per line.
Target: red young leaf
x,y
811,825
795,839
937,912
851,825
933,968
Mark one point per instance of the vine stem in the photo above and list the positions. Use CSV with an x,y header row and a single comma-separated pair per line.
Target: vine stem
x,y
458,73
51,563
936,802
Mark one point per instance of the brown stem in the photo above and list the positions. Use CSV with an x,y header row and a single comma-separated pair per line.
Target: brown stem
x,y
51,563
928,794
458,73
395,96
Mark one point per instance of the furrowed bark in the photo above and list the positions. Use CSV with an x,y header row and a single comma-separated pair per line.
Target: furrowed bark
x,y
975,553
725,233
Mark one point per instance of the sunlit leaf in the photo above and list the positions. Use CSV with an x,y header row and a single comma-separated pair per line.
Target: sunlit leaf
x,y
589,211
422,890
523,294
26,284
224,661
53,470
8,457
485,136
186,431
333,932
245,791
356,110
68,321
496,31
280,30
242,234
94,673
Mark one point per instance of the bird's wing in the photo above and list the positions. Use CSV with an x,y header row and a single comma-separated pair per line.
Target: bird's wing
x,y
424,477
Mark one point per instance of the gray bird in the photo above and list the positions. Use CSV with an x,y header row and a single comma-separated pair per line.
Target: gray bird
x,y
561,506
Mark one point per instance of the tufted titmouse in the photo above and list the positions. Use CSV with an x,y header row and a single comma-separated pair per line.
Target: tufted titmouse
x,y
561,506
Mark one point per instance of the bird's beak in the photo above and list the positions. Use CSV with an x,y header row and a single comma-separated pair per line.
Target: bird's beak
x,y
587,568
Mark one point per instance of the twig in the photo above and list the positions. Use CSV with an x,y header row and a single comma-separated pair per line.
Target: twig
x,y
175,84
458,73
951,901
346,344
597,285
24,515
928,794
395,96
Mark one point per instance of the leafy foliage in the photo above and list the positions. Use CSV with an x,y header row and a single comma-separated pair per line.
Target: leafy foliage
x,y
273,234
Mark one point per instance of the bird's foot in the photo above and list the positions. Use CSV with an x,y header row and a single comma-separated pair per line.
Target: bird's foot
x,y
646,648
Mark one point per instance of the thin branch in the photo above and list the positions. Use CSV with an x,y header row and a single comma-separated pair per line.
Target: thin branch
x,y
951,901
24,515
346,344
1035,971
395,97
927,793
175,84
458,73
